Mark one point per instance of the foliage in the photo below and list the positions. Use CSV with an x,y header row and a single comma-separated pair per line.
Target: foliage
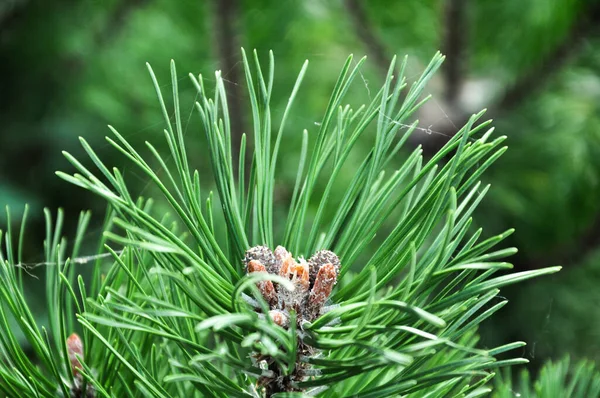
x,y
551,325
556,379
70,67
173,312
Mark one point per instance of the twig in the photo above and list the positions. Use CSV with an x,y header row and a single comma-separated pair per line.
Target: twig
x,y
11,10
365,32
227,46
569,255
117,20
453,47
585,26
588,25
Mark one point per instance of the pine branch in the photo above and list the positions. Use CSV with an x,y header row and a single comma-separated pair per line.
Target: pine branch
x,y
226,19
568,255
117,20
585,26
187,307
454,43
365,31
11,10
525,87
454,46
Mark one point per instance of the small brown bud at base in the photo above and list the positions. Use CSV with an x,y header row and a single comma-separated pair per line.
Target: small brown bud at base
x,y
75,347
280,318
300,276
324,282
265,256
266,288
285,259
78,389
318,260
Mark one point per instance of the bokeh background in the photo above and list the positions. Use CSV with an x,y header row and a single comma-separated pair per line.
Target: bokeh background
x,y
69,68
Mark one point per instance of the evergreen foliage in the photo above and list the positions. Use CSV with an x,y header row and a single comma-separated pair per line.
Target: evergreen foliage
x,y
172,312
556,379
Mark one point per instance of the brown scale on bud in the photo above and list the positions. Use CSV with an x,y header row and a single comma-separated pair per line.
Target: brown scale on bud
x,y
74,350
318,260
324,282
298,274
296,299
280,318
285,259
301,276
266,287
265,256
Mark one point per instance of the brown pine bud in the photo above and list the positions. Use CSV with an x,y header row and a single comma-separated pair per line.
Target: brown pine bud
x,y
265,287
280,318
291,269
300,275
285,259
75,347
78,389
324,282
318,260
265,256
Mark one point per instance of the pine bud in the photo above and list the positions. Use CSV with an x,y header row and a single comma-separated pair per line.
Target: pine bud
x,y
78,389
325,280
280,318
300,276
266,287
318,260
286,260
75,347
265,256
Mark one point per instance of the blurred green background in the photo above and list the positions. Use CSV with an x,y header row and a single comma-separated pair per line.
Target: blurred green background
x,y
69,68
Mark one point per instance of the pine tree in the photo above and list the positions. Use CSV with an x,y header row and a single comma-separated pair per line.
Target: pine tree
x,y
373,288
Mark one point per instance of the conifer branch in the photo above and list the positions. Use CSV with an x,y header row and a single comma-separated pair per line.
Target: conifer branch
x,y
366,32
204,300
226,21
585,27
454,43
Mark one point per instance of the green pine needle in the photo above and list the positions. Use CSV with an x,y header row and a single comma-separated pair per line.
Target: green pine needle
x,y
170,311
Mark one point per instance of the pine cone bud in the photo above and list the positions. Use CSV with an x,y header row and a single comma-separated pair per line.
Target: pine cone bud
x,y
266,287
285,259
265,256
324,282
280,318
300,276
75,347
318,260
